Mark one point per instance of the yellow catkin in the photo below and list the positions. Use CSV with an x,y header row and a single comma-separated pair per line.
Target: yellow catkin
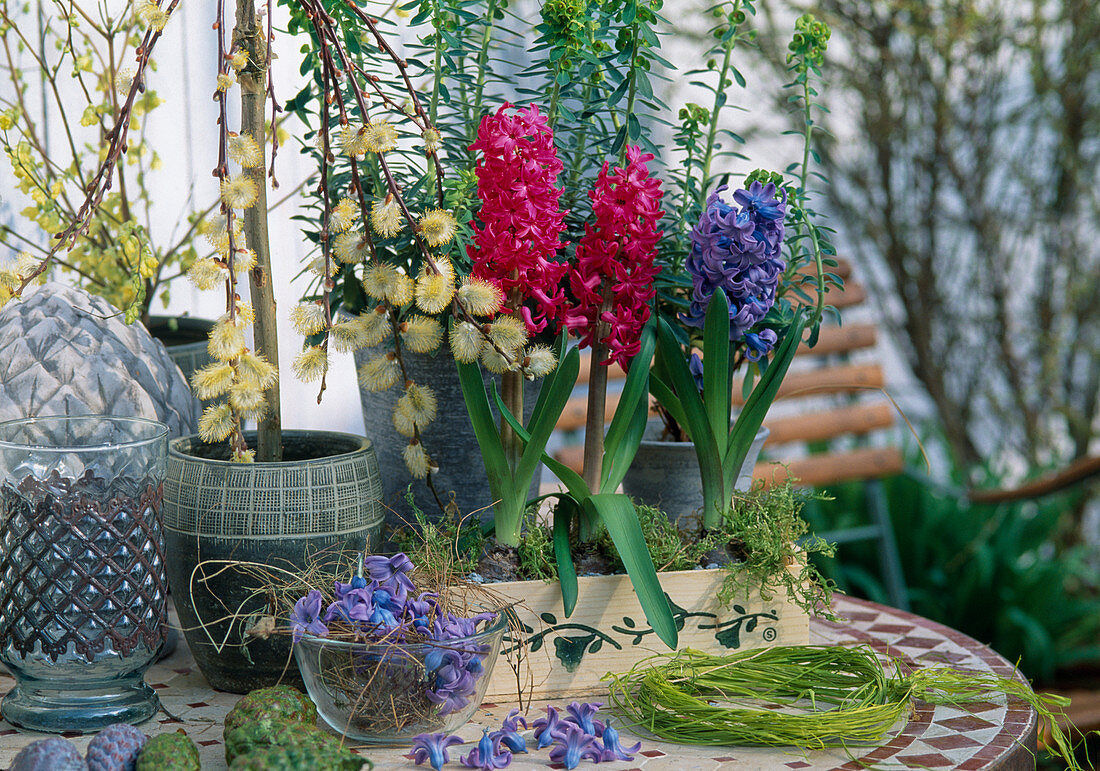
x,y
376,326
437,226
308,318
351,248
380,373
433,292
539,362
508,332
311,364
244,261
466,342
432,139
349,335
378,279
239,192
205,274
420,403
212,381
343,215
401,291
480,297
244,150
403,421
226,341
417,460
254,368
379,136
152,15
216,423
421,334
248,399
494,362
386,217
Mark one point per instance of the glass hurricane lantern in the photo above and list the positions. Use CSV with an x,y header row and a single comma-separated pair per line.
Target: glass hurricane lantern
x,y
83,594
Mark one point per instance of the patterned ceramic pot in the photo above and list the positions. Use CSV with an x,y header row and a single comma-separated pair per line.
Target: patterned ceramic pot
x,y
222,519
83,593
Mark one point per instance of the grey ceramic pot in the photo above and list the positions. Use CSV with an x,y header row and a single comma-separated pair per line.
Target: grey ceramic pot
x,y
449,439
319,505
666,474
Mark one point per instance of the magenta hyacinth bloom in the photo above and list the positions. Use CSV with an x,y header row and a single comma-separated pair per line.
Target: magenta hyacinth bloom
x,y
487,755
583,716
739,250
545,727
615,258
574,745
520,220
432,749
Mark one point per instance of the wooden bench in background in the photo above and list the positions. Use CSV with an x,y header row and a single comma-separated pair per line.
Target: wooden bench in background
x,y
830,408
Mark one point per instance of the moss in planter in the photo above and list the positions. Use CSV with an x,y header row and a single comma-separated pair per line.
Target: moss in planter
x,y
447,548
762,533
767,524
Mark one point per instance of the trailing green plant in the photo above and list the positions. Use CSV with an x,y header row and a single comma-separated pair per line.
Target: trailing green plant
x,y
692,697
767,525
995,573
447,547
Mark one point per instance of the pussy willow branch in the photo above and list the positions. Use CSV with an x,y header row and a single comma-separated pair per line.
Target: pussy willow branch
x,y
276,108
327,283
402,69
326,31
221,171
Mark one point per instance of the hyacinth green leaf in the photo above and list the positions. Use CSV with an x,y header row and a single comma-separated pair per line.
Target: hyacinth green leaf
x,y
716,368
760,401
622,439
618,516
573,481
564,513
553,396
667,399
695,418
485,430
615,466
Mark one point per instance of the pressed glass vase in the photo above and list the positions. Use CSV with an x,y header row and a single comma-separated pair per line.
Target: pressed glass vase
x,y
83,593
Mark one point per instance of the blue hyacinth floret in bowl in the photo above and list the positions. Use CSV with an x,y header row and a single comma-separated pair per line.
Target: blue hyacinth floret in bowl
x,y
384,662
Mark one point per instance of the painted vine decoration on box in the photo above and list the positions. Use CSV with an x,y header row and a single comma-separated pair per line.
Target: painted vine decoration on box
x,y
571,648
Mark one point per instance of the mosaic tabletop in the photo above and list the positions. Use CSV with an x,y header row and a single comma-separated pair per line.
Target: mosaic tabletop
x,y
997,734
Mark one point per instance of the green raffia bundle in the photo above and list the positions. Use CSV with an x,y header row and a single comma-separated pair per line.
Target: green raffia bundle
x,y
828,696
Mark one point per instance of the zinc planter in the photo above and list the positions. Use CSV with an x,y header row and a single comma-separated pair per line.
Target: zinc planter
x,y
449,439
608,632
665,475
185,339
320,503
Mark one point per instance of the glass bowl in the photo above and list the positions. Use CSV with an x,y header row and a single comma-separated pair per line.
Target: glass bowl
x,y
387,693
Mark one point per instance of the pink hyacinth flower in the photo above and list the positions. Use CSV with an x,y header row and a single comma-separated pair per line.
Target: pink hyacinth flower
x,y
613,278
520,220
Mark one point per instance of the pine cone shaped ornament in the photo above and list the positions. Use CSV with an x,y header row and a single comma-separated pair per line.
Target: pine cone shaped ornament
x,y
66,352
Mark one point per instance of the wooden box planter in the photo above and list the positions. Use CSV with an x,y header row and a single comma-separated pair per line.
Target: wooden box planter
x,y
608,631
